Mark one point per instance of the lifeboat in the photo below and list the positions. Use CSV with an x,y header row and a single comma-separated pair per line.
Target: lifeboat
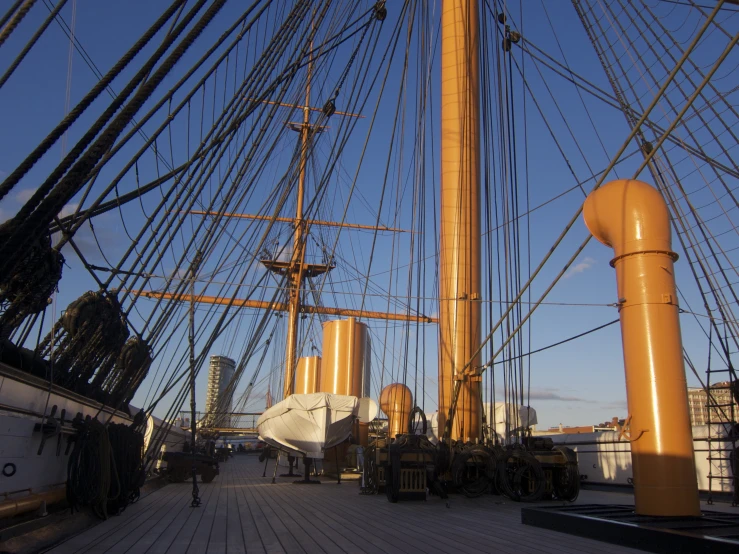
x,y
308,424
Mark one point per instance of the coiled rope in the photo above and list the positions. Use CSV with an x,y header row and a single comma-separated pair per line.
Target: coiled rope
x,y
105,470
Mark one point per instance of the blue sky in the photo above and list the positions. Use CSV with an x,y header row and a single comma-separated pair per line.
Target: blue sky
x,y
578,383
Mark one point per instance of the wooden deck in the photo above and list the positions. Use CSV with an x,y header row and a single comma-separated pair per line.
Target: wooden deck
x,y
244,512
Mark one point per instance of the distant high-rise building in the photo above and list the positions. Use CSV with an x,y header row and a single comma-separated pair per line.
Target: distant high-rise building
x,y
218,401
720,404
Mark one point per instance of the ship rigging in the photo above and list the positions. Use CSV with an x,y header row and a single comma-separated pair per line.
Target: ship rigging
x,y
434,194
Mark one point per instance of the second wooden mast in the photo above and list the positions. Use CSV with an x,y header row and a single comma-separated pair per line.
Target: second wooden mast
x,y
296,270
459,252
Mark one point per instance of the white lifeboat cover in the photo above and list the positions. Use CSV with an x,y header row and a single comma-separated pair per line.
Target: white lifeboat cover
x,y
509,418
307,424
502,418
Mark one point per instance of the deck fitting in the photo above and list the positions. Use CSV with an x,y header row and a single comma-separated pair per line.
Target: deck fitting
x,y
713,532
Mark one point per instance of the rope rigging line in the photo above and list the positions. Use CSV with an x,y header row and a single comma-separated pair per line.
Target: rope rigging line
x,y
532,352
29,224
215,144
15,176
31,42
151,142
612,101
679,218
648,157
13,17
8,14
180,208
165,391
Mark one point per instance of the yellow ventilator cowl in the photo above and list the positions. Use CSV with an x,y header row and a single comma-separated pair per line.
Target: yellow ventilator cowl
x,y
632,218
396,400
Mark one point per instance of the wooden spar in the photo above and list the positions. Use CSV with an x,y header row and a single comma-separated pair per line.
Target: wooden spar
x,y
459,260
298,255
283,307
306,221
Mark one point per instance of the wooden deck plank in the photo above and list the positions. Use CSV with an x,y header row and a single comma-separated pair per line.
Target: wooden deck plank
x,y
195,541
342,539
125,537
170,518
120,539
134,513
281,540
266,534
453,537
467,528
184,525
235,542
216,540
252,539
290,519
461,531
397,530
243,512
199,523
333,502
498,524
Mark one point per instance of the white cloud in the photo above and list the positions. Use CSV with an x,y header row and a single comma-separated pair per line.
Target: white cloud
x,y
584,265
179,274
553,394
24,195
69,209
617,405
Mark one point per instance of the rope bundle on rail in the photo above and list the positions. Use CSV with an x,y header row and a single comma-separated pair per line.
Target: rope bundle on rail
x,y
89,468
127,449
105,470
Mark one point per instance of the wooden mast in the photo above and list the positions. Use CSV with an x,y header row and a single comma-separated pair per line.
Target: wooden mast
x,y
296,272
459,260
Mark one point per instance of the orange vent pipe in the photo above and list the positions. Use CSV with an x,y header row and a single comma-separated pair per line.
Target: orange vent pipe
x,y
632,218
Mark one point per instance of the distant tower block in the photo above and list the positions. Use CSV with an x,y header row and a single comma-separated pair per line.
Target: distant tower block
x,y
218,398
396,400
307,375
345,368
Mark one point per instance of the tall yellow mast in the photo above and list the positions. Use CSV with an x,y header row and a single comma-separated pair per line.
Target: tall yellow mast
x,y
296,273
459,257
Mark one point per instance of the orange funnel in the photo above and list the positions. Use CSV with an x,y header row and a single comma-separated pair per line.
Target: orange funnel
x,y
307,375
